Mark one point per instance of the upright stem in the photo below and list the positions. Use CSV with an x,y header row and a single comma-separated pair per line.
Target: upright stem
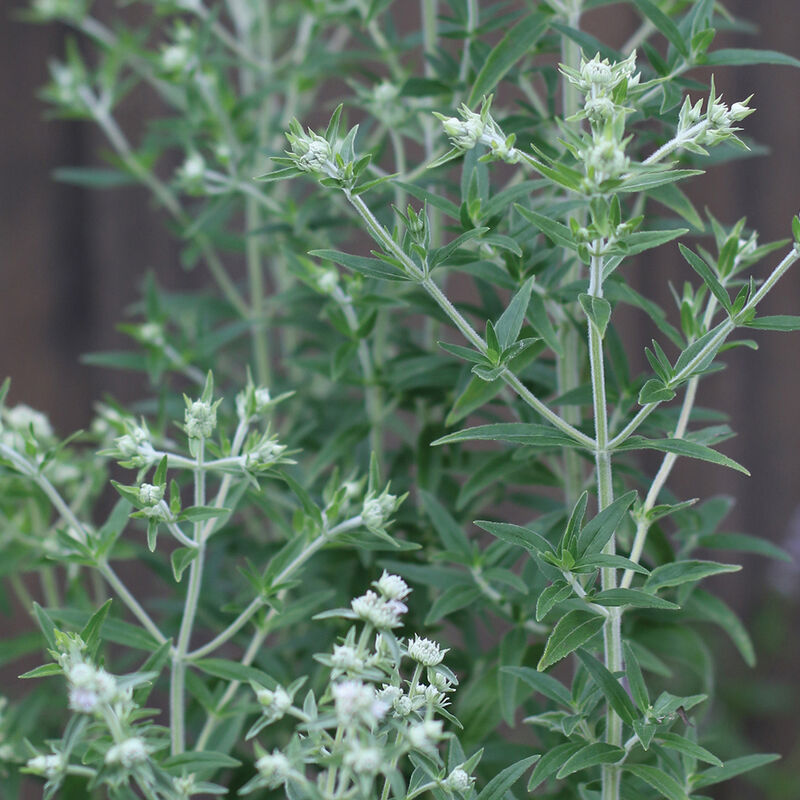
x,y
605,495
568,363
178,678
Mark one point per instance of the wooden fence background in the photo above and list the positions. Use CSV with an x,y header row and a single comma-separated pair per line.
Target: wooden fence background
x,y
71,261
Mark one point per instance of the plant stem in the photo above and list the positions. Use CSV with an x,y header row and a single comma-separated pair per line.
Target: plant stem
x,y
568,362
373,395
177,700
381,235
612,639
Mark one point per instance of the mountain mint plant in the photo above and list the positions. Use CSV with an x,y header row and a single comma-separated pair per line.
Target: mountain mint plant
x,y
418,239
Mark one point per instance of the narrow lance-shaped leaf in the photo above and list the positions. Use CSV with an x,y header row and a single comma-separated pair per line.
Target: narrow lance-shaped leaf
x,y
611,688
591,755
511,320
709,278
571,631
519,40
664,24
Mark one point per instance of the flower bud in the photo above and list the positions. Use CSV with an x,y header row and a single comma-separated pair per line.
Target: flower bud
x,y
201,419
425,651
149,494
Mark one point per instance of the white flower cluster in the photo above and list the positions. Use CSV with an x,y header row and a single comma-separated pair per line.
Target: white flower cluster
x,y
275,768
358,701
252,401
425,651
264,452
597,78
376,511
127,753
200,418
179,56
90,687
48,766
368,703
473,129
716,125
135,445
276,702
311,152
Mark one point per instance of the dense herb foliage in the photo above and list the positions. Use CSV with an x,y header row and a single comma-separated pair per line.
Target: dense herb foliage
x,y
318,422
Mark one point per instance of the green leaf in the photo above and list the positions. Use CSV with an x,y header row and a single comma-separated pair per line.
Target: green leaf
x,y
634,598
570,537
599,560
654,391
371,267
744,543
597,310
503,781
234,671
681,447
675,199
551,761
664,24
46,624
180,558
520,39
732,768
511,320
611,688
453,599
677,572
707,607
529,433
596,533
571,631
646,181
709,278
202,513
745,56
635,678
646,240
591,755
537,314
45,671
199,761
516,534
558,233
91,631
551,596
450,532
689,748
545,684
659,780
442,254
779,322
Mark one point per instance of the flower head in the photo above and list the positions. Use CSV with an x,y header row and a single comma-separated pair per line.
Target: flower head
x,y
425,651
128,753
378,611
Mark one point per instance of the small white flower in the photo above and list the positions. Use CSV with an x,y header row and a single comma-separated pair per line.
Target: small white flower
x,y
328,281
459,780
23,418
82,675
363,759
390,694
193,168
275,767
277,702
175,58
150,494
379,612
346,657
425,734
354,699
127,753
47,765
425,651
392,587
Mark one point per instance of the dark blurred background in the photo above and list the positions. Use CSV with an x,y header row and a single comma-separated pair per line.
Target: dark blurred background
x,y
72,262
